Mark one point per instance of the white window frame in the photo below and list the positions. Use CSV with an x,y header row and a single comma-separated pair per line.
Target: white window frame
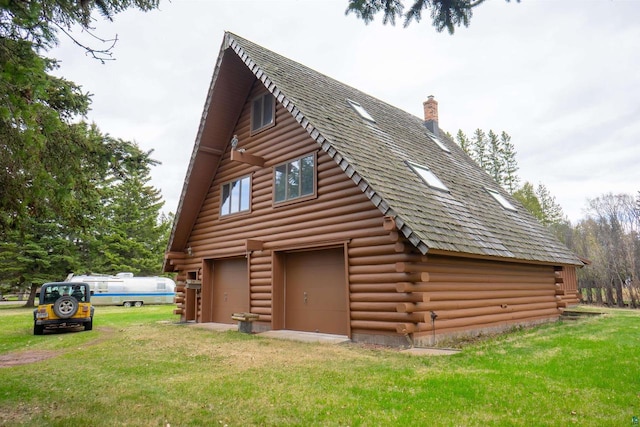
x,y
438,142
428,176
361,110
502,200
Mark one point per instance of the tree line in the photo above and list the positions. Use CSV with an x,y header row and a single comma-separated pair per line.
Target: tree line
x,y
607,239
74,199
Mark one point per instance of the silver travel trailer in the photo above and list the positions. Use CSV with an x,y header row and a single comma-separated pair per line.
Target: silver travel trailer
x,y
126,290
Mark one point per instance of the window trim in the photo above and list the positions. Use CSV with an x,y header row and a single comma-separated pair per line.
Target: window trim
x,y
438,142
263,126
223,215
430,175
301,198
506,204
362,112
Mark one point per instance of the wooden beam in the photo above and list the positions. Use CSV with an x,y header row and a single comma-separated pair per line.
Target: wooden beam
x,y
244,157
209,150
254,245
175,255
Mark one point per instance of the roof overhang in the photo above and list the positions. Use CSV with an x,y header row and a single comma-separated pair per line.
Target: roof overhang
x,y
229,88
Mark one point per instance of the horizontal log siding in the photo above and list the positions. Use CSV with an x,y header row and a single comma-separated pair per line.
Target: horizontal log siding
x,y
339,213
472,295
180,295
392,288
373,285
569,284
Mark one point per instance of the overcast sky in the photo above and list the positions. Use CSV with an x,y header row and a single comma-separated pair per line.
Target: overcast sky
x,y
561,77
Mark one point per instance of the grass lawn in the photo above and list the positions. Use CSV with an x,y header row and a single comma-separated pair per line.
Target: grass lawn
x,y
139,367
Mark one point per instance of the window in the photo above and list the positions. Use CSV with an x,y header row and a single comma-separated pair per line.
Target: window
x,y
360,110
236,196
502,200
438,142
429,177
295,179
263,112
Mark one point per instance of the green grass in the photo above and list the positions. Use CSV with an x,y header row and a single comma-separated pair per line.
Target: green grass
x,y
138,367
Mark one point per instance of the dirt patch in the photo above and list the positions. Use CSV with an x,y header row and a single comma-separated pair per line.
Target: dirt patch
x,y
26,357
35,356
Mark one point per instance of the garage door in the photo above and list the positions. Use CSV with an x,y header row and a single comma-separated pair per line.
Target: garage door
x,y
230,289
315,292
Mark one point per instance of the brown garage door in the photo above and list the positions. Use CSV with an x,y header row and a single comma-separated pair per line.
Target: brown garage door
x,y
230,289
315,292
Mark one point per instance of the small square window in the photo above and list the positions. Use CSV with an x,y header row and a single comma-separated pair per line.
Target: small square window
x,y
428,176
294,179
263,112
502,200
236,196
360,110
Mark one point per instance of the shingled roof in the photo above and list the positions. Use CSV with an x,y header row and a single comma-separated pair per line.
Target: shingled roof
x,y
376,155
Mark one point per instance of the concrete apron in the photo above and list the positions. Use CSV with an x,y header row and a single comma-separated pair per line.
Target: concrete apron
x,y
319,338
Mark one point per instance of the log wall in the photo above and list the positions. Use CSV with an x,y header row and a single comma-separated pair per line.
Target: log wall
x,y
393,290
568,280
339,213
470,296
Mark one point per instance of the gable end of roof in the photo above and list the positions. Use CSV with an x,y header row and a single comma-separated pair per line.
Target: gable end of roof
x,y
325,145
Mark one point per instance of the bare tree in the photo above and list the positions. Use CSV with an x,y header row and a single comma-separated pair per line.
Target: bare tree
x,y
610,237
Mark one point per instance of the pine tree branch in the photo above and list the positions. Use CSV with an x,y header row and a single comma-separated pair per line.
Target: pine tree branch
x,y
101,55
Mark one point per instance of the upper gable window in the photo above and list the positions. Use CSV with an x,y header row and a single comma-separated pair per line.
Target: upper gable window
x,y
236,196
263,112
429,177
360,110
295,179
502,200
438,142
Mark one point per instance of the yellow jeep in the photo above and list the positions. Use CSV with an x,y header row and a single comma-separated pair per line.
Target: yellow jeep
x,y
63,305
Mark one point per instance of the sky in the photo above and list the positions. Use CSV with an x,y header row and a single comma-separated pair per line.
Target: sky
x,y
561,78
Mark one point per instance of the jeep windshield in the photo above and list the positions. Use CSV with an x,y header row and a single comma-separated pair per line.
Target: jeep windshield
x,y
52,293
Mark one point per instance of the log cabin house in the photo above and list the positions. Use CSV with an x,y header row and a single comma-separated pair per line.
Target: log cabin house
x,y
320,208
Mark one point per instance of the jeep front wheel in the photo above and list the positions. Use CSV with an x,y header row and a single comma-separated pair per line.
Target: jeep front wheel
x,y
65,307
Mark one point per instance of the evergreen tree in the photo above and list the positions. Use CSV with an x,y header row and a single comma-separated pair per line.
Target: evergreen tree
x,y
479,149
444,13
496,155
37,110
527,196
52,169
132,235
510,180
551,209
463,142
495,161
541,204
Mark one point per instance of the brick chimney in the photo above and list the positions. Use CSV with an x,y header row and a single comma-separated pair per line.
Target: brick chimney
x,y
431,114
